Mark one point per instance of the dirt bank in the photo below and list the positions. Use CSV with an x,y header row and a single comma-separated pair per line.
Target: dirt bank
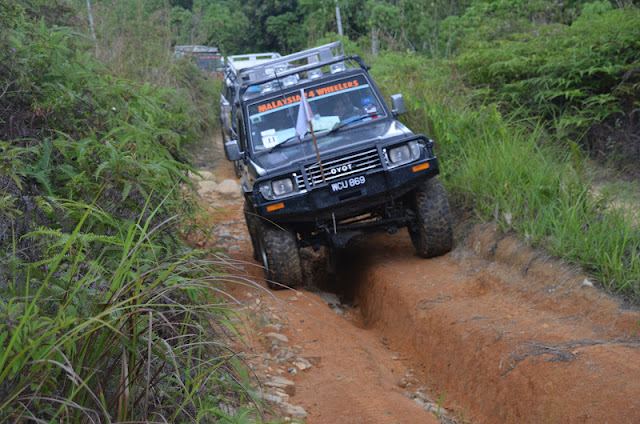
x,y
508,334
490,333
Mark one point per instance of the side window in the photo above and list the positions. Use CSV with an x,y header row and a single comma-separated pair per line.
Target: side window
x,y
241,133
225,113
232,102
228,93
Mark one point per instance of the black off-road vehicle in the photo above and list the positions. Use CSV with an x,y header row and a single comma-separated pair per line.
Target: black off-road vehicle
x,y
354,168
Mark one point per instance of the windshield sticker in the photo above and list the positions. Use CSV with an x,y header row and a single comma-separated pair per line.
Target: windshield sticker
x,y
321,91
269,138
337,87
370,109
279,103
324,123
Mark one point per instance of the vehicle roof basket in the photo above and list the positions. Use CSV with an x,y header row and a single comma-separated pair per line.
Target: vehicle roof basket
x,y
242,61
181,50
316,55
296,63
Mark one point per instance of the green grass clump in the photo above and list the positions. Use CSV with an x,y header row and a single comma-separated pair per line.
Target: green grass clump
x,y
504,171
142,341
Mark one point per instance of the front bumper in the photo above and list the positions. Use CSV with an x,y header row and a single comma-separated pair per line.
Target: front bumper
x,y
327,201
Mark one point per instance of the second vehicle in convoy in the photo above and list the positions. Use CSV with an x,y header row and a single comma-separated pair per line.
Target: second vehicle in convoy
x,y
320,169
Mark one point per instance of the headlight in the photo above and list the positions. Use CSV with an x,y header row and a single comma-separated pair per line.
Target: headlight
x,y
282,187
277,188
404,153
399,154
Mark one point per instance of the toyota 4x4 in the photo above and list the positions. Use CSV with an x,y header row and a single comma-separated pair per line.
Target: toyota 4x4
x,y
352,168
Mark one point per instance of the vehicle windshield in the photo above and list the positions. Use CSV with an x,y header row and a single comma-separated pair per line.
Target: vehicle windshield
x,y
209,62
335,104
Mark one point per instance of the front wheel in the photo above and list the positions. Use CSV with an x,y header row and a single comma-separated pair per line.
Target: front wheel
x,y
431,232
279,254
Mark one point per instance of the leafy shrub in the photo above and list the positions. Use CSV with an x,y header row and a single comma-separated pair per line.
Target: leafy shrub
x,y
200,93
77,135
579,79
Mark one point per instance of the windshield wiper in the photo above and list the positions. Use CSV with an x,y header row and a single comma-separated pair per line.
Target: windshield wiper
x,y
346,122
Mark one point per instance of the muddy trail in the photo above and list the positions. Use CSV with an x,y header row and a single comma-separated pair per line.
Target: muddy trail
x,y
493,332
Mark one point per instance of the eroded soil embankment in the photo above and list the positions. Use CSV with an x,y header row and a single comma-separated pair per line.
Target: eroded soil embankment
x,y
509,335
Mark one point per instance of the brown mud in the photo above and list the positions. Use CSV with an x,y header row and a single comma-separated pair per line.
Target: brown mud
x,y
493,332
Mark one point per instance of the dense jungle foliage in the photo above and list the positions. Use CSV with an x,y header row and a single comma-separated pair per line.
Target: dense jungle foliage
x,y
103,308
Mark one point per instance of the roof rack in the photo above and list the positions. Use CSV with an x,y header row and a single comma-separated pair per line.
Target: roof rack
x,y
241,61
180,50
294,63
261,73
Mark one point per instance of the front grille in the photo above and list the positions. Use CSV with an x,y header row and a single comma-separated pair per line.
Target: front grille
x,y
340,168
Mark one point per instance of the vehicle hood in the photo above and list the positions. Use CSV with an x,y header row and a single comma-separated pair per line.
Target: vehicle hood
x,y
347,139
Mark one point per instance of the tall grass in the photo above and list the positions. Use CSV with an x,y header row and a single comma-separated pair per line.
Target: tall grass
x,y
504,171
141,343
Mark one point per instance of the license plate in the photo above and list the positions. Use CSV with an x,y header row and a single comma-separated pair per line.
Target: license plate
x,y
348,183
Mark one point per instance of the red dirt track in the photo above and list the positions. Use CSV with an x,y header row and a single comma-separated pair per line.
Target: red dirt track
x,y
499,332
540,348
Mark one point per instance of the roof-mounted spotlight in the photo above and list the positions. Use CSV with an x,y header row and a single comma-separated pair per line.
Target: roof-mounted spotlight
x,y
337,67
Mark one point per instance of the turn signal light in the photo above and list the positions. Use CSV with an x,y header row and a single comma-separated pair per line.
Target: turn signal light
x,y
420,167
275,207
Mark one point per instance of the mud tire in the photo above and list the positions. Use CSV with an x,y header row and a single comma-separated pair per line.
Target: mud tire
x,y
431,233
278,252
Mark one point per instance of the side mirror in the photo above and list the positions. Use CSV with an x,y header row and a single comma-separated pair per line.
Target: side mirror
x,y
397,105
232,150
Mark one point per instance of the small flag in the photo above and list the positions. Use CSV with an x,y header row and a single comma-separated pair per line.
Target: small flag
x,y
304,115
